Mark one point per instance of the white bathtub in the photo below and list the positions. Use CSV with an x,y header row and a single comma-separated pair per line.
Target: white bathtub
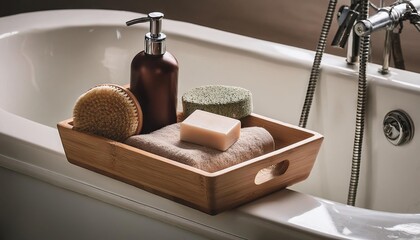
x,y
49,58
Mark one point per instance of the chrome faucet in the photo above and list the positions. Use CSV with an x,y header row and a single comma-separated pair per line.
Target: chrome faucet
x,y
347,16
390,19
359,44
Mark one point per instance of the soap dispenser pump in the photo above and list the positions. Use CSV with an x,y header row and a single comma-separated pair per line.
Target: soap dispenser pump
x,y
154,77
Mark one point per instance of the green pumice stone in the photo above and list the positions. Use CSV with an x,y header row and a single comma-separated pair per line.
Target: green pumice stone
x,y
234,102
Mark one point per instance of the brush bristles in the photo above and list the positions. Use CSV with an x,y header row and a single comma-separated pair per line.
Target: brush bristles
x,y
108,111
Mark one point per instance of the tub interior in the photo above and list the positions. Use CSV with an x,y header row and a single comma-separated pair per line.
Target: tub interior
x,y
44,71
50,69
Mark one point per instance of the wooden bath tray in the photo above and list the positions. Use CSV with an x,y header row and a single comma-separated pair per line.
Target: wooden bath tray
x,y
291,162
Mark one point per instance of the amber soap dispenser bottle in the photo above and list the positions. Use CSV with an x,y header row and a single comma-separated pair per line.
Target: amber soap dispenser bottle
x,y
154,77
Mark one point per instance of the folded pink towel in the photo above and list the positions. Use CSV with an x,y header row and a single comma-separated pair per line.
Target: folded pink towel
x,y
253,142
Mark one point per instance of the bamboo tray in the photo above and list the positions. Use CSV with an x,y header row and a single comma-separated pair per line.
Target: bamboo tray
x,y
290,162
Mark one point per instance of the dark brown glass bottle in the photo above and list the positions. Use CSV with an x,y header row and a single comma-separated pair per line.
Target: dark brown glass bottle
x,y
154,77
154,82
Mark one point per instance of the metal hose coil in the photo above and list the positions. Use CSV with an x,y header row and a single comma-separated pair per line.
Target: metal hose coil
x,y
315,72
360,112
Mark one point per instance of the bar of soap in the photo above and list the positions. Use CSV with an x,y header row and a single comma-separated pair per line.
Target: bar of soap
x,y
210,130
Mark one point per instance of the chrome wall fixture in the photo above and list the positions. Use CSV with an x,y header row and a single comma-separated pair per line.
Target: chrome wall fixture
x,y
391,19
398,127
354,29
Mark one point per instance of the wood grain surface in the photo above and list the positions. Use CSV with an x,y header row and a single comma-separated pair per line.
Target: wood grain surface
x,y
208,192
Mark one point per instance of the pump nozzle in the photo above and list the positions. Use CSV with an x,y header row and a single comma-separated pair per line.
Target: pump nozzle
x,y
154,40
155,19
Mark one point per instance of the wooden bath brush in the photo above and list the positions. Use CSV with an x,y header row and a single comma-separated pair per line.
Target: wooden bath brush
x,y
108,110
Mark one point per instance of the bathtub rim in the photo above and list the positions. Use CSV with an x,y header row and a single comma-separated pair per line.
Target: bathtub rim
x,y
42,21
262,210
47,138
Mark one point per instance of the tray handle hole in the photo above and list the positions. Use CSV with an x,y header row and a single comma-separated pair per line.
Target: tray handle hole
x,y
271,172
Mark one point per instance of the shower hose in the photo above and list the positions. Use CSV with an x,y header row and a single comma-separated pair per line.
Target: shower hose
x,y
315,71
361,109
361,96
